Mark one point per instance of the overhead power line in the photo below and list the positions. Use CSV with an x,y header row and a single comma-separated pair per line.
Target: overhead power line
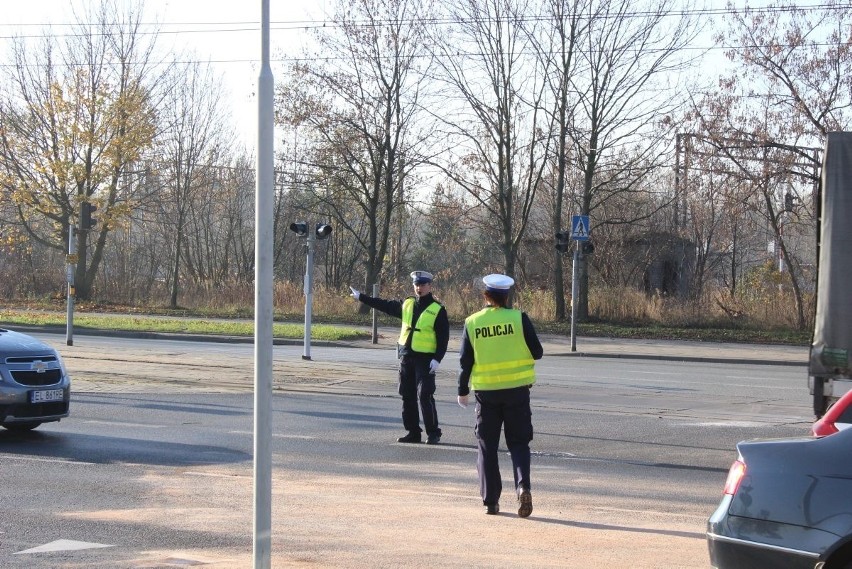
x,y
246,26
184,28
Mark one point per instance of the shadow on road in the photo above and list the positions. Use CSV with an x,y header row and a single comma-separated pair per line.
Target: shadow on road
x,y
104,449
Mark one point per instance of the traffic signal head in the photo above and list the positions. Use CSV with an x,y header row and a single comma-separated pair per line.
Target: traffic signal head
x,y
300,228
563,241
788,202
323,230
587,247
86,219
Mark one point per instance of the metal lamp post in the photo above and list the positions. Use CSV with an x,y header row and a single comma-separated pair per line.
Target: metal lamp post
x,y
263,284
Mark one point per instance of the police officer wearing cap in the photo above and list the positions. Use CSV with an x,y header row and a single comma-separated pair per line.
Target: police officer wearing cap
x,y
498,349
422,345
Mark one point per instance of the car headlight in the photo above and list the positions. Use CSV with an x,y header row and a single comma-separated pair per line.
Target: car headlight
x,y
61,365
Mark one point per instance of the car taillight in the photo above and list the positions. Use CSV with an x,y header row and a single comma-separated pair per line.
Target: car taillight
x,y
735,476
823,428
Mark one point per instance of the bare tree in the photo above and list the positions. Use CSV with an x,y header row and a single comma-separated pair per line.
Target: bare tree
x,y
190,145
497,133
76,119
793,84
356,104
631,50
557,50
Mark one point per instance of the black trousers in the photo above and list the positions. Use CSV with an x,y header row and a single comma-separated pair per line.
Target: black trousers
x,y
508,409
417,388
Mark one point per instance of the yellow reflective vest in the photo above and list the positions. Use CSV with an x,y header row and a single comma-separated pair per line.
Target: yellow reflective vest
x,y
423,339
502,359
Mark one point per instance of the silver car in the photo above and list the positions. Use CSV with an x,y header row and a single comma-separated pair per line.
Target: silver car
x,y
34,385
786,505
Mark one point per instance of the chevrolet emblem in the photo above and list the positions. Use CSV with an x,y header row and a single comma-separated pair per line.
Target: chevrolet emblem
x,y
39,366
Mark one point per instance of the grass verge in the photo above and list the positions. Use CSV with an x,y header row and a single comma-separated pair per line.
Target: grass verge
x,y
138,323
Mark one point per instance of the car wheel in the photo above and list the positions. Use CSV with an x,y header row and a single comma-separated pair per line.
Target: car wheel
x,y
21,427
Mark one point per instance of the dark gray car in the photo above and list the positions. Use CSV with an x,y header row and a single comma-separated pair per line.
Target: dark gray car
x,y
787,504
34,386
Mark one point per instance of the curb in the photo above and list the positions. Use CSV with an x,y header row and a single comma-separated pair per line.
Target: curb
x,y
332,344
670,358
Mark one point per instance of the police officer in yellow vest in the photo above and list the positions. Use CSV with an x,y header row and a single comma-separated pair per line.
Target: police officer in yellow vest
x,y
422,345
498,349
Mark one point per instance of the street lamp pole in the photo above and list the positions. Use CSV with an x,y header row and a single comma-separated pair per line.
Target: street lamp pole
x,y
263,284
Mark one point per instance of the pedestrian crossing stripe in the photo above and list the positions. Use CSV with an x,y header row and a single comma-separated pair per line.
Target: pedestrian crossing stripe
x,y
63,545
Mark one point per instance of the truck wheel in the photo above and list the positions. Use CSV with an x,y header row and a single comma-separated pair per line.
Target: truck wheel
x,y
820,400
21,427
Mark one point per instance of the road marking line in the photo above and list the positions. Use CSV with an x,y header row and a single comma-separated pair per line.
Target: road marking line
x,y
302,437
215,475
123,424
63,545
727,424
56,460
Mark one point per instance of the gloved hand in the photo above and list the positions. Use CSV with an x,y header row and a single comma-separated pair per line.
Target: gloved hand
x,y
355,294
462,399
433,366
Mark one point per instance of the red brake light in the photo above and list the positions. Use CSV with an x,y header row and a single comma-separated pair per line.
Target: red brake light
x,y
735,476
823,428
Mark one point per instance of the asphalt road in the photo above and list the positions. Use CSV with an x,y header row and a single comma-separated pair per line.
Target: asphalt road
x,y
154,466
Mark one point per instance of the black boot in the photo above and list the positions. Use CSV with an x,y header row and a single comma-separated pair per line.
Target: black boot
x,y
409,438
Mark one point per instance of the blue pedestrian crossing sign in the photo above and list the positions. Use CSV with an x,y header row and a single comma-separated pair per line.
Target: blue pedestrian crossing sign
x,y
580,227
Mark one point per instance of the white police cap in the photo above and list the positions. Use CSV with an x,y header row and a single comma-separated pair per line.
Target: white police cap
x,y
421,277
498,283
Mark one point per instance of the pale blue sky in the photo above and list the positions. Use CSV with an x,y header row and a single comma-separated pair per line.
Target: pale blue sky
x,y
225,33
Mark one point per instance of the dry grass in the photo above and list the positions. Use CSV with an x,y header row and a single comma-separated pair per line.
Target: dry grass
x,y
770,309
766,312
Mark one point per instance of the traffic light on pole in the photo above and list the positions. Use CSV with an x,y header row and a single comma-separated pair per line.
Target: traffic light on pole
x,y
563,241
300,228
323,230
587,248
86,219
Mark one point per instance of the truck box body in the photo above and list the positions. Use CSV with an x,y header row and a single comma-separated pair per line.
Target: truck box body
x,y
832,340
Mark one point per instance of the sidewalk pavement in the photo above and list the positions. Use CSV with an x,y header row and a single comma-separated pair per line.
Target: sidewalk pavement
x,y
673,350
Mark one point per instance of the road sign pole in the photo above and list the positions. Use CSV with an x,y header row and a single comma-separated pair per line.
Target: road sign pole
x,y
575,294
70,268
375,315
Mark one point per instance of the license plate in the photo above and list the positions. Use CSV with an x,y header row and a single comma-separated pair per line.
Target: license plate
x,y
47,395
